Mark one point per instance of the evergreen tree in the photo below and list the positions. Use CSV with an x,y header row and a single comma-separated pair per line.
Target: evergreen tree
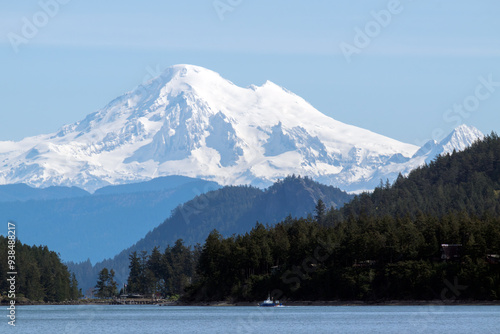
x,y
106,286
75,293
320,210
134,284
102,281
112,285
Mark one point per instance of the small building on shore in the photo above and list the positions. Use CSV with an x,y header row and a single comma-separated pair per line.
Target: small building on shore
x,y
493,258
451,252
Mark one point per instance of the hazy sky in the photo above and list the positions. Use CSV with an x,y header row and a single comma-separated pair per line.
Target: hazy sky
x,y
410,70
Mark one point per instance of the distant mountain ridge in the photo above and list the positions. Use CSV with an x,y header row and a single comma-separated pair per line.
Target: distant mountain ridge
x,y
157,184
22,192
190,121
79,225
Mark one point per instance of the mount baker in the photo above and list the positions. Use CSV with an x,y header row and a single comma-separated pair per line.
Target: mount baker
x,y
190,121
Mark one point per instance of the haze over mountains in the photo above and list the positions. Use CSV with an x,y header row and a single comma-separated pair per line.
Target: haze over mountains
x,y
82,226
190,121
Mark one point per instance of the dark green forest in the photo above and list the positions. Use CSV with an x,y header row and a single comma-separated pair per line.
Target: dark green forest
x,y
369,259
41,276
391,244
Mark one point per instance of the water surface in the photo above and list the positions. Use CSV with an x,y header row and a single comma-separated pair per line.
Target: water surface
x,y
300,319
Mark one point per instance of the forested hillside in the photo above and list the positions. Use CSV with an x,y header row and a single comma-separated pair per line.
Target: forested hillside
x,y
236,210
370,259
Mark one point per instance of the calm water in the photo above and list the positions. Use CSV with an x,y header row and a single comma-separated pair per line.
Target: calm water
x,y
333,319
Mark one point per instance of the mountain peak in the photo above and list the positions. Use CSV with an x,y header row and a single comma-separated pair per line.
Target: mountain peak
x,y
460,138
186,70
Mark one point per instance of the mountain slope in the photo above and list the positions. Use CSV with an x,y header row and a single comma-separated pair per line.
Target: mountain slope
x,y
232,209
190,121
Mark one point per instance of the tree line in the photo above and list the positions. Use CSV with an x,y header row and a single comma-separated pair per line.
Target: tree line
x,y
166,274
363,259
370,259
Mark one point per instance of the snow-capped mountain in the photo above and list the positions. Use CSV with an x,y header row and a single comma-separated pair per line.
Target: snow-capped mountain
x,y
458,140
190,121
461,138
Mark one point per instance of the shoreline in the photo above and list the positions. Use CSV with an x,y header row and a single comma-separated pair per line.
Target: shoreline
x,y
354,303
437,302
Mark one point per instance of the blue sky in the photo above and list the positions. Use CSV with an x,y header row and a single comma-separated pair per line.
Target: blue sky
x,y
422,68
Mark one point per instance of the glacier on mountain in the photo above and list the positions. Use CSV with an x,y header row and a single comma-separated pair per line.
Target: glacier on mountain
x,y
190,121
